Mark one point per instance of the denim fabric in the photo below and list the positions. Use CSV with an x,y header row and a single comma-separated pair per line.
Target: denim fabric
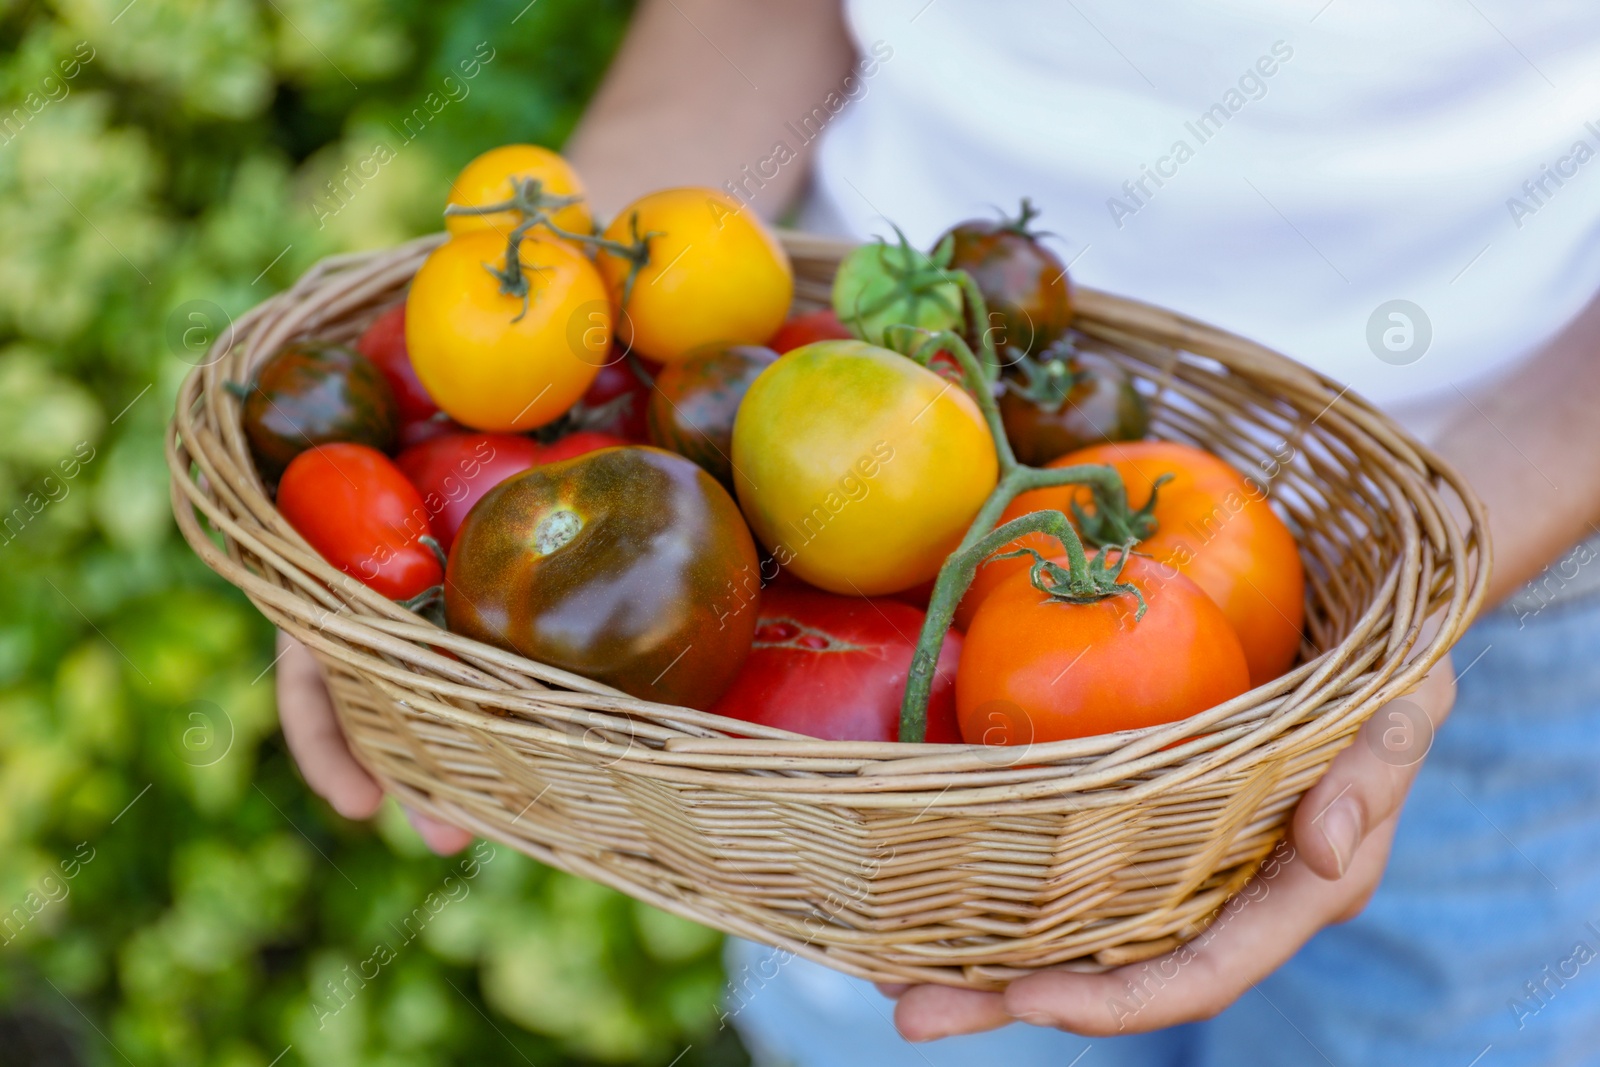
x,y
1481,948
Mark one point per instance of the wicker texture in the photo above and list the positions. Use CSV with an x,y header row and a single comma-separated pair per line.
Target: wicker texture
x,y
960,865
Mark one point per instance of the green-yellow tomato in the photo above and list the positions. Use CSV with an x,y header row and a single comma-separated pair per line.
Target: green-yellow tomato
x,y
858,469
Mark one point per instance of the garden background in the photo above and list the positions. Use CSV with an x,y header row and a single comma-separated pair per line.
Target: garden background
x,y
170,892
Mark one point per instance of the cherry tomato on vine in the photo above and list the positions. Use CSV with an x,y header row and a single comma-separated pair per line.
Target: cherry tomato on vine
x,y
1036,669
487,180
1212,525
1023,283
489,360
821,325
358,511
310,394
630,566
859,469
715,274
693,403
834,667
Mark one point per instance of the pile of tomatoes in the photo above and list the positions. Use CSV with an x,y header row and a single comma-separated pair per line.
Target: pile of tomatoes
x,y
927,512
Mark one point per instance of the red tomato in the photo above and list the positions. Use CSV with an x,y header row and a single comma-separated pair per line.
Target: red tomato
x,y
385,344
355,508
834,667
1037,669
617,380
821,325
454,471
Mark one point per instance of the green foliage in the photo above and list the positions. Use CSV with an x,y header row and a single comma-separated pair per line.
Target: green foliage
x,y
170,892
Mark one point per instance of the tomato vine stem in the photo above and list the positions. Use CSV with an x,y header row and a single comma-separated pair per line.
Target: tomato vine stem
x,y
534,205
1084,581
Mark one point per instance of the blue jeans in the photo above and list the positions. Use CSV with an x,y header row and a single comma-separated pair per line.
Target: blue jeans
x,y
1481,948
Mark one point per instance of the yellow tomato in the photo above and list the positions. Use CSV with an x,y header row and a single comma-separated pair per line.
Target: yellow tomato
x,y
859,469
487,180
716,274
481,363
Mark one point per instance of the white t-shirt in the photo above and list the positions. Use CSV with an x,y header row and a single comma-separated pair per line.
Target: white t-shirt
x,y
1278,170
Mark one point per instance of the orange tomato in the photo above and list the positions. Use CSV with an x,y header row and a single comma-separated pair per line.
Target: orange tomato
x,y
1211,524
484,365
1036,669
716,274
487,180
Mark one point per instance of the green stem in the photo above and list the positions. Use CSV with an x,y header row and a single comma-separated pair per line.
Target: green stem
x,y
530,201
1083,582
978,309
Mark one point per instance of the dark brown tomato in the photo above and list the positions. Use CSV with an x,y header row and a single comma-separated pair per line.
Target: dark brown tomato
x,y
630,566
1100,405
1024,283
315,394
693,403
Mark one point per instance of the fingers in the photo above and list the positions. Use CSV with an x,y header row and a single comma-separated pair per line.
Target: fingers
x,y
927,1012
441,837
314,738
1258,930
1367,782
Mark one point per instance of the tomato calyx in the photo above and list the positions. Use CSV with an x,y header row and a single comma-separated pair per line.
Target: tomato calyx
x,y
1026,213
529,200
1047,380
1081,582
917,287
1111,523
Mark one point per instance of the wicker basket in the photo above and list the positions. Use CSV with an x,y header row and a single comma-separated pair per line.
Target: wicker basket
x,y
960,865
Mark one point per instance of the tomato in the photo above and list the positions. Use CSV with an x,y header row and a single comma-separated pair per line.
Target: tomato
x,y
358,511
1037,669
693,403
437,425
487,180
858,468
453,472
576,444
385,344
835,667
880,284
490,362
311,394
621,395
1054,406
715,274
630,566
1211,524
821,325
1023,283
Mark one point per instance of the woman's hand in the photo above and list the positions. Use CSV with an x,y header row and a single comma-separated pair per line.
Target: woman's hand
x,y
1338,847
318,746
